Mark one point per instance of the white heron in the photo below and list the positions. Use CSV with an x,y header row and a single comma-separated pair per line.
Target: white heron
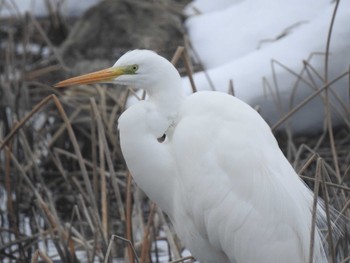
x,y
217,172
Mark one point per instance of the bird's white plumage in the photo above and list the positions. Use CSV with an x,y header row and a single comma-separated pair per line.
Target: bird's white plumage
x,y
219,174
237,187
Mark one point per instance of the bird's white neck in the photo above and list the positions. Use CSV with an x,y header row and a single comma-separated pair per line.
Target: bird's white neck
x,y
148,161
168,95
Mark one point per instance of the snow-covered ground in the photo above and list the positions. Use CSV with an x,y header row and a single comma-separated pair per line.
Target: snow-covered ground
x,y
238,40
40,8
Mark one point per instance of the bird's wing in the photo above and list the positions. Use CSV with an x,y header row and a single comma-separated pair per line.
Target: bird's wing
x,y
240,192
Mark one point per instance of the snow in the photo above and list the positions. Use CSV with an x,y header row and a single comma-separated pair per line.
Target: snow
x,y
38,8
3,199
241,27
206,6
239,41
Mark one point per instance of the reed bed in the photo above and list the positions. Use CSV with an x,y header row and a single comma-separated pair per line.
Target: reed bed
x,y
65,192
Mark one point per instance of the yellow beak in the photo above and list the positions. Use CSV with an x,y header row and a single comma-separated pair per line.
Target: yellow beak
x,y
105,75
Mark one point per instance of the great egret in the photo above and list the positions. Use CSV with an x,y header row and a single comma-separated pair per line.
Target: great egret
x,y
217,170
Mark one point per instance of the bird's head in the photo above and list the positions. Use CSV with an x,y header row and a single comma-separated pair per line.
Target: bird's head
x,y
140,68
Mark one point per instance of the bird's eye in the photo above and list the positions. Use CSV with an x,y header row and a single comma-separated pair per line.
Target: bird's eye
x,y
135,67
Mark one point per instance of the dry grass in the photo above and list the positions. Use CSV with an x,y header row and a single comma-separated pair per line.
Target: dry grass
x,y
67,191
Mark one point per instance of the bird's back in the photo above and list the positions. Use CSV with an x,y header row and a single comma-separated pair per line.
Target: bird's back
x,y
239,198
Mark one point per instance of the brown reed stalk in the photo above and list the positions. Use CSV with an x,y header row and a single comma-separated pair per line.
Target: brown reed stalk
x,y
128,217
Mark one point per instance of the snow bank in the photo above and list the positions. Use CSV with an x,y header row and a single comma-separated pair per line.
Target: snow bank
x,y
240,40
